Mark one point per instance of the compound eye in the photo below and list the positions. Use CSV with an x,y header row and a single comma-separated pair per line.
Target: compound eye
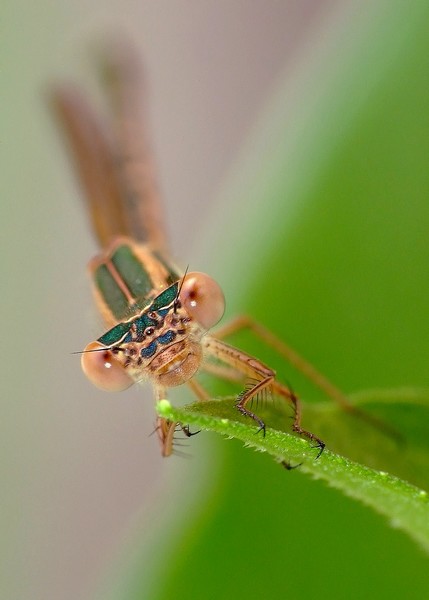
x,y
203,299
101,368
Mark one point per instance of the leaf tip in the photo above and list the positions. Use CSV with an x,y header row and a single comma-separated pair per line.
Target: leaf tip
x,y
163,408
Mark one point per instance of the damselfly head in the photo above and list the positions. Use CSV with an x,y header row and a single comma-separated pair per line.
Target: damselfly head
x,y
202,298
103,370
162,343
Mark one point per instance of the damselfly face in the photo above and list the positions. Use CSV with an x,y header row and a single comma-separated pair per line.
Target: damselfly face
x,y
162,341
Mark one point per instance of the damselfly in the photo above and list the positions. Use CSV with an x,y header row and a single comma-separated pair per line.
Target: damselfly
x,y
158,319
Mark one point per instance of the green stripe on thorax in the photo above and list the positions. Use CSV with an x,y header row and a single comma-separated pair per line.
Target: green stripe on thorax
x,y
141,274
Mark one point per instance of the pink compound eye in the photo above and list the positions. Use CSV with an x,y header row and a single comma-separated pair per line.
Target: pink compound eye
x,y
203,299
103,370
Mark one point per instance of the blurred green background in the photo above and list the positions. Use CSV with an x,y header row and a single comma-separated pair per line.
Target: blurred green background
x,y
293,141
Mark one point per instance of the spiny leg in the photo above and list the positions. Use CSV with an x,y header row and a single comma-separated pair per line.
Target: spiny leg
x,y
166,428
305,367
289,395
250,366
229,374
295,359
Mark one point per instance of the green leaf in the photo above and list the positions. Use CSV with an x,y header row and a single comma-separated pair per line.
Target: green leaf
x,y
406,506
